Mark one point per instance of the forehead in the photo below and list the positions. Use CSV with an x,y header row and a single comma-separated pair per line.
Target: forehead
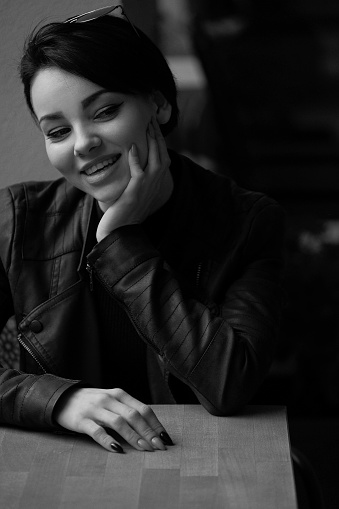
x,y
53,87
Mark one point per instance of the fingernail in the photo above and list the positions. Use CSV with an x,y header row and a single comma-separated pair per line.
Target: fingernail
x,y
158,444
134,150
144,445
166,438
117,448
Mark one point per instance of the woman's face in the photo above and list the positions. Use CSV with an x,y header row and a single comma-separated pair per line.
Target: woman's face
x,y
89,131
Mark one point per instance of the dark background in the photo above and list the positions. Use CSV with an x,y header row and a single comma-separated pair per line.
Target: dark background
x,y
270,119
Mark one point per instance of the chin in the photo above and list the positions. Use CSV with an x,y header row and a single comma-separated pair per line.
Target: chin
x,y
105,201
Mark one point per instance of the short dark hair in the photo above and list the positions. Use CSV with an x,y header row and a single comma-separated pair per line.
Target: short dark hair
x,y
106,51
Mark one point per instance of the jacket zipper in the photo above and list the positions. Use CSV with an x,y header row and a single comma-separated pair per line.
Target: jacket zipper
x,y
197,280
90,272
30,351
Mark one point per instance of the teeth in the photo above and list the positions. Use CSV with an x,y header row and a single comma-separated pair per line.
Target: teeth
x,y
101,165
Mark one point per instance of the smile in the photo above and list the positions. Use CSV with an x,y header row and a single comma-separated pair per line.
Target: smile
x,y
98,167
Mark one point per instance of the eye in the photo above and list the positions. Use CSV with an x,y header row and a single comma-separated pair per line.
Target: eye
x,y
108,112
58,134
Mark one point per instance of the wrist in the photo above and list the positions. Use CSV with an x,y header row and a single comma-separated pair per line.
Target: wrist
x,y
101,235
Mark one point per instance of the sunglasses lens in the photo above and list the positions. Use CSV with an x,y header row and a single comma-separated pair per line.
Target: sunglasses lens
x,y
98,13
88,16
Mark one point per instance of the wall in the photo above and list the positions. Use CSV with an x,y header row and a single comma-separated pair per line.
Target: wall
x,y
21,144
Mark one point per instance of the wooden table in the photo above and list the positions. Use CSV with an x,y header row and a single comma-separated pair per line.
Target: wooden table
x,y
217,462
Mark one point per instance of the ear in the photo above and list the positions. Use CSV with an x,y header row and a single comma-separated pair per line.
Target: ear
x,y
163,107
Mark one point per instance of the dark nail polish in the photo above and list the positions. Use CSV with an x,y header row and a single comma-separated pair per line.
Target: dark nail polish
x,y
117,448
166,438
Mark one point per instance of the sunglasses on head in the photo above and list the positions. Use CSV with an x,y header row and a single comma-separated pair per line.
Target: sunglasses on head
x,y
98,13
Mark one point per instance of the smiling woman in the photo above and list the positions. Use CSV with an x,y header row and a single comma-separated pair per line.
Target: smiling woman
x,y
89,131
137,277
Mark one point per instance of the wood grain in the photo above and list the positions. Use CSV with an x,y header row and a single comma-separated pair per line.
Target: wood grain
x,y
47,474
199,443
122,480
239,462
159,488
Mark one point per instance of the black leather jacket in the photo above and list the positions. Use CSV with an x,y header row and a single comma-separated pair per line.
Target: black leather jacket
x,y
206,301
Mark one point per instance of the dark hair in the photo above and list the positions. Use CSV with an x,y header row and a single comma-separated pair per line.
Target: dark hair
x,y
106,51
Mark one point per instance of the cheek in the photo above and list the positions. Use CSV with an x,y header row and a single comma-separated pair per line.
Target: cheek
x,y
59,157
135,131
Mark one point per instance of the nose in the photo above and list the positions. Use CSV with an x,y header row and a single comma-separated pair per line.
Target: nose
x,y
85,141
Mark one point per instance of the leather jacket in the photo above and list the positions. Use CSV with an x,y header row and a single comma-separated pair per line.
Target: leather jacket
x,y
206,301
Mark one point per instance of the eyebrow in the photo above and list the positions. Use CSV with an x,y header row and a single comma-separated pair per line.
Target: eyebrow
x,y
85,104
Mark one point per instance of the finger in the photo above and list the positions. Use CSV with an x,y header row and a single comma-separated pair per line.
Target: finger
x,y
101,437
134,162
139,424
153,163
162,146
146,412
119,423
158,133
157,130
110,420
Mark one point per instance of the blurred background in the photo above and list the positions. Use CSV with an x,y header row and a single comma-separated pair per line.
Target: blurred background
x,y
258,88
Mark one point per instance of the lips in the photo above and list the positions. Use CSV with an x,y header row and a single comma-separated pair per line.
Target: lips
x,y
101,165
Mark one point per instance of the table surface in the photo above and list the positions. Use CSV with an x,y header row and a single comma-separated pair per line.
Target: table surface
x,y
236,462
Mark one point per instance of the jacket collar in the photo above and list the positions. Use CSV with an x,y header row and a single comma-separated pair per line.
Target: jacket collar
x,y
56,219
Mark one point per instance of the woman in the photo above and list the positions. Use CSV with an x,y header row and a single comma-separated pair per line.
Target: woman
x,y
138,277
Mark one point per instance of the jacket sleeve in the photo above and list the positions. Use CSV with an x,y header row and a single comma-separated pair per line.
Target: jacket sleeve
x,y
28,400
221,350
25,399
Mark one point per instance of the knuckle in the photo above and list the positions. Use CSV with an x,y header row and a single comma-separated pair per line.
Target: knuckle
x,y
97,434
103,399
145,411
148,433
131,435
132,414
118,393
158,428
117,422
